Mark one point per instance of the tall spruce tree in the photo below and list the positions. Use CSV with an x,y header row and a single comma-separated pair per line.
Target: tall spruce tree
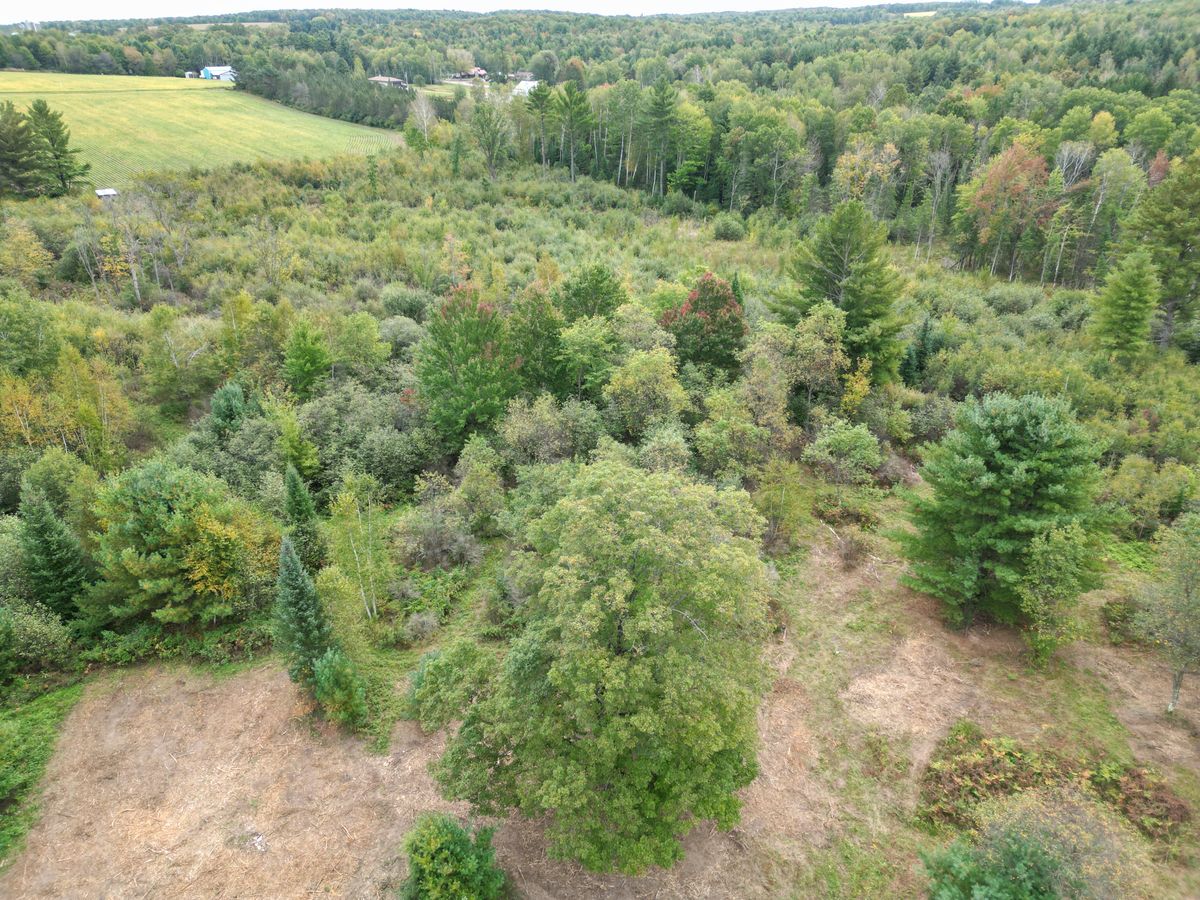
x,y
59,160
1167,225
843,262
53,559
1126,306
302,630
21,172
1012,469
303,526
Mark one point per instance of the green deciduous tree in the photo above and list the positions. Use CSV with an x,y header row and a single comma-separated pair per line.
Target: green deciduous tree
x,y
593,290
1012,469
1126,306
492,131
306,361
465,369
1060,565
625,711
302,630
1170,610
843,262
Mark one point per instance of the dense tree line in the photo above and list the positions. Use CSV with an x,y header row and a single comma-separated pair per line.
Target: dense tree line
x,y
533,399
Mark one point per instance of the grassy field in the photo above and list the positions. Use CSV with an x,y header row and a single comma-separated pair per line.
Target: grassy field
x,y
125,125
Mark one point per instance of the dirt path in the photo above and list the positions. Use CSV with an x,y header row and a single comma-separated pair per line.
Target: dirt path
x,y
172,783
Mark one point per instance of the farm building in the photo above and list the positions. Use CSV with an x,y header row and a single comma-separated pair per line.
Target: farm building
x,y
388,81
191,74
218,73
523,88
106,193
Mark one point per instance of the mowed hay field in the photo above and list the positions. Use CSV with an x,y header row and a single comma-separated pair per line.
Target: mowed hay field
x,y
126,125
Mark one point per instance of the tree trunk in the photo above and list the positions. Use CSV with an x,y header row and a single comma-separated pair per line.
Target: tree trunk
x,y
1176,685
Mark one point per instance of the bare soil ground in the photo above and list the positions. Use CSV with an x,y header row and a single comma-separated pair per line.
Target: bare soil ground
x,y
169,782
172,783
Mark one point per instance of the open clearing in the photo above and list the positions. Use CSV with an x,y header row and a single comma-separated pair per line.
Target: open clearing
x,y
127,124
170,781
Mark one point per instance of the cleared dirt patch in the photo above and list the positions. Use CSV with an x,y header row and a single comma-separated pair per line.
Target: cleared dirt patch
x,y
170,783
1139,686
918,693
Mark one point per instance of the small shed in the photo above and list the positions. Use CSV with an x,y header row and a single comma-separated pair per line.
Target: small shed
x,y
106,193
523,88
191,74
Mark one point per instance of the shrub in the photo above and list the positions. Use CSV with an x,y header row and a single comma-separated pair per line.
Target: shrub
x,y
971,769
176,549
32,639
1056,843
435,533
445,862
339,690
728,227
846,453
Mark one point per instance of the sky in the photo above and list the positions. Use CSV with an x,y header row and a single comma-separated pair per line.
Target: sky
x,y
57,10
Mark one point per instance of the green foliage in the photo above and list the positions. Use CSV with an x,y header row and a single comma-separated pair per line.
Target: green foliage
x,y
464,367
1165,226
645,391
728,227
1044,844
593,290
1126,305
970,769
27,737
445,862
56,157
624,750
847,453
1061,564
1012,468
31,335
299,506
338,689
306,361
842,262
176,549
709,327
53,559
302,630
446,682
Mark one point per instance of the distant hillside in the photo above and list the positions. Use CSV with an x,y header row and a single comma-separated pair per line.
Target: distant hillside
x,y
126,125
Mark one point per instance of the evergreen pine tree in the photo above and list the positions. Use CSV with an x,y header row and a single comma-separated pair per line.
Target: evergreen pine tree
x,y
843,262
301,514
1167,225
20,164
302,630
59,160
1012,469
1126,306
298,504
54,561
